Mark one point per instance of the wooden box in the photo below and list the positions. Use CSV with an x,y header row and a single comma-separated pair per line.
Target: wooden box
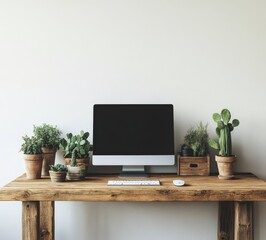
x,y
198,166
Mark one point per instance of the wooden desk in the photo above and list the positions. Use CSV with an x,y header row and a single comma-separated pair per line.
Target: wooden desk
x,y
235,199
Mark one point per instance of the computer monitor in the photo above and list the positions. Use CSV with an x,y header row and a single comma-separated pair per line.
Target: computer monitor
x,y
133,136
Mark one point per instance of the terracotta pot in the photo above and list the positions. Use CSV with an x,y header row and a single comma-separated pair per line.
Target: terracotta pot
x,y
83,163
225,167
57,176
48,159
33,164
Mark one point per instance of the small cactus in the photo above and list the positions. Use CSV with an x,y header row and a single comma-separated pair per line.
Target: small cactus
x,y
58,168
76,146
223,130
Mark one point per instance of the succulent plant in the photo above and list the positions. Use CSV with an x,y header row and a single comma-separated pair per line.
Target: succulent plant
x,y
49,135
58,168
31,145
75,146
223,130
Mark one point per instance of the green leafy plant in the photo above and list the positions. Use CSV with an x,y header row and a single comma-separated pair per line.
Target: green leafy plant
x,y
49,135
58,168
223,130
31,145
197,139
75,146
186,151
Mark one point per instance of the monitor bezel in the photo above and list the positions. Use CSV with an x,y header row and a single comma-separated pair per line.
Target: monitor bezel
x,y
134,160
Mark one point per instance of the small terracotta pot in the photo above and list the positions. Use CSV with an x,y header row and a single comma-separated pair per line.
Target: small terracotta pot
x,y
48,159
225,167
57,176
83,163
33,163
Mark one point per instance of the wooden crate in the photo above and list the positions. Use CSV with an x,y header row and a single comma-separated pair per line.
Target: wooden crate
x,y
198,166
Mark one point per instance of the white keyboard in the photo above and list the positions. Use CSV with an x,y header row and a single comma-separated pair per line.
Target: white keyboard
x,y
133,182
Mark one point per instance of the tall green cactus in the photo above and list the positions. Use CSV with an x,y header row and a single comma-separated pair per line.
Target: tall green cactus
x,y
223,130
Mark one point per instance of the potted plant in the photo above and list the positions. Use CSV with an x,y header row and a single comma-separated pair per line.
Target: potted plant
x,y
50,139
58,172
31,147
195,159
76,153
225,159
197,140
186,151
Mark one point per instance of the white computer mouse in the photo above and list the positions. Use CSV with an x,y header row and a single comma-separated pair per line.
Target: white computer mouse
x,y
179,183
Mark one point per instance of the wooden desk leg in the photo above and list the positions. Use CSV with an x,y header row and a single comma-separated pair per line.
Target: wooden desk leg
x,y
30,220
47,220
226,220
244,221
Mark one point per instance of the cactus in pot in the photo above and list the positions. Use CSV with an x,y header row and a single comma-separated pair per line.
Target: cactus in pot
x,y
76,152
224,145
223,130
58,172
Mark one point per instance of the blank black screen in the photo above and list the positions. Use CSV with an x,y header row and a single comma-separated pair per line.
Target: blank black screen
x,y
133,129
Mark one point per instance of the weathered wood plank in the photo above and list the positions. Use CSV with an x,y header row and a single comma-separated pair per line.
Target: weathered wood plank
x,y
47,220
30,221
94,188
133,195
191,166
226,221
244,221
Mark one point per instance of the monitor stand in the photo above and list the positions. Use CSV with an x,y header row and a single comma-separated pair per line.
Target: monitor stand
x,y
133,171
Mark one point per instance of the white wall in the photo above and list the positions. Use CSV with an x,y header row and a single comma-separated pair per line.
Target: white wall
x,y
58,58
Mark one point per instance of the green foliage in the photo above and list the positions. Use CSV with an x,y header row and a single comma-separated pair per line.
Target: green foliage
x,y
58,168
223,131
31,145
49,135
186,151
197,140
75,146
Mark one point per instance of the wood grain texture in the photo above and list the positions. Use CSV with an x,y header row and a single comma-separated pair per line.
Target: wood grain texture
x,y
30,221
244,221
226,221
191,166
94,188
47,220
